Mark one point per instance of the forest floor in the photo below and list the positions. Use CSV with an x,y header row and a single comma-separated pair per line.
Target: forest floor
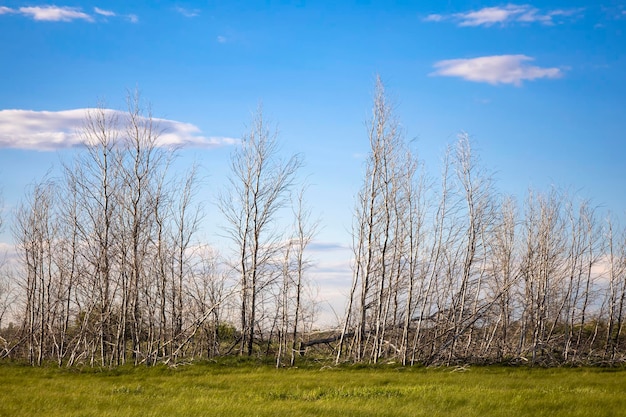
x,y
251,389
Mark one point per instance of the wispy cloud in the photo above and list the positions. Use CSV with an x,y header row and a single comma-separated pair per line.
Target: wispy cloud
x,y
55,13
497,69
434,18
62,13
103,12
614,12
221,39
332,271
49,130
317,246
506,15
187,12
8,254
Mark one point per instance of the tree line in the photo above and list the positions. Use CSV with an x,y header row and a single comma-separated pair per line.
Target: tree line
x,y
111,271
452,271
446,270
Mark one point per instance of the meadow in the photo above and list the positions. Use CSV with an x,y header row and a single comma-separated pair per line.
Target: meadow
x,y
250,389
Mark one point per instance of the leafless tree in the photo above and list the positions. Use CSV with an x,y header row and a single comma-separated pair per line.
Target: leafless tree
x,y
582,254
107,250
294,266
616,291
110,269
259,186
305,230
504,281
415,186
143,163
373,222
387,235
208,292
186,218
541,268
5,288
35,233
95,178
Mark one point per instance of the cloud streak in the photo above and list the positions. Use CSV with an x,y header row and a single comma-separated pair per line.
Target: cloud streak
x,y
497,69
505,15
102,12
55,14
61,13
187,12
50,131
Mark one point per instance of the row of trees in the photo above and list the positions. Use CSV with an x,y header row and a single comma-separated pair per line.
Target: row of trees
x,y
445,271
111,270
451,271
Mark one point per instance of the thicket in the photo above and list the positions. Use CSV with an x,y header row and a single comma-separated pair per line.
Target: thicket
x,y
446,270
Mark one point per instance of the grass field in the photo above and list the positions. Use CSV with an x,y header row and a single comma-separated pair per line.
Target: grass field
x,y
257,390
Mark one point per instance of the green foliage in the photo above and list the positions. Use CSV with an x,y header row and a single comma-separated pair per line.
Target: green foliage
x,y
217,389
226,332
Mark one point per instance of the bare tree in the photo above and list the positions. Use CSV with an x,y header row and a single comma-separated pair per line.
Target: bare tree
x,y
208,292
541,268
387,241
431,298
373,223
477,191
294,267
616,291
121,253
110,267
504,272
305,230
142,165
96,179
5,289
415,187
259,187
582,254
186,218
35,234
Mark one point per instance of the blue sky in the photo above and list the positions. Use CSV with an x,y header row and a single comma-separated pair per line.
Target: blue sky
x,y
540,87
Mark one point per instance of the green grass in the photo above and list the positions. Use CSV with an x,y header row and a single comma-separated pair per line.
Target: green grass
x,y
257,390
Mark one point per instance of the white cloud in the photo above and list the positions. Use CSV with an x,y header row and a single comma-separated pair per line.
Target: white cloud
x,y
102,12
319,246
491,15
221,39
55,14
497,69
186,134
504,15
434,18
332,271
49,131
64,13
187,12
8,253
601,269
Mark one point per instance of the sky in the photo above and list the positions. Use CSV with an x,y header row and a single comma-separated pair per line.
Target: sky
x,y
539,87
